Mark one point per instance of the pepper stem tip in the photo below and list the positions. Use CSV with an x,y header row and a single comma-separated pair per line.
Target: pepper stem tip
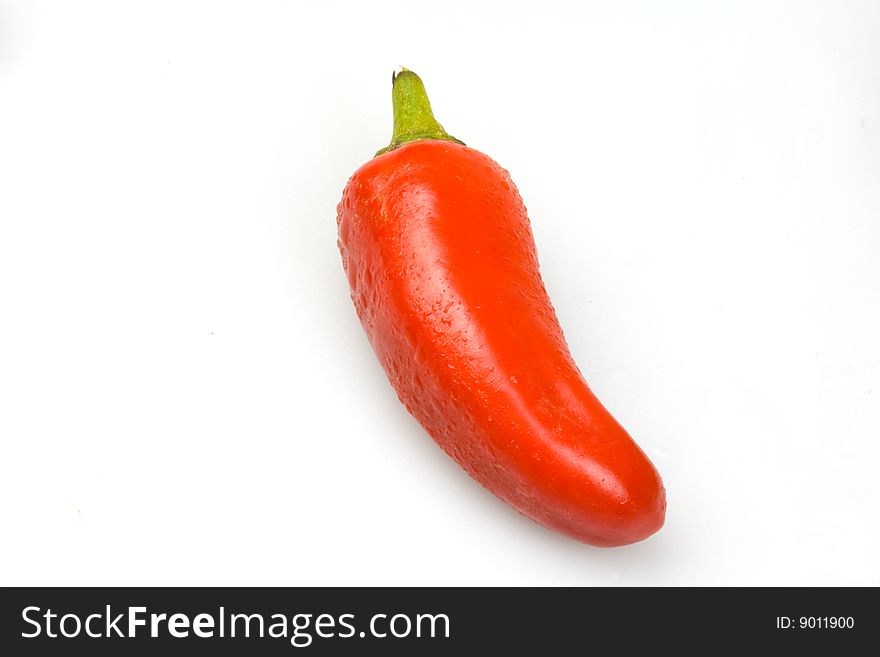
x,y
413,118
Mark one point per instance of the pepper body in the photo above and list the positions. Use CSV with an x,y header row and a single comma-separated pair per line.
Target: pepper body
x,y
441,262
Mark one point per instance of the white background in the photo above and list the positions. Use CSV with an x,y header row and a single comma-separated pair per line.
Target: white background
x,y
186,396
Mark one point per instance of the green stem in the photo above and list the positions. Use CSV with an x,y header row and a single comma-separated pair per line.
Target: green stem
x,y
413,118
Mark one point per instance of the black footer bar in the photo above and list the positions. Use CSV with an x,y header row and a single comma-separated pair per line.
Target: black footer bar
x,y
429,621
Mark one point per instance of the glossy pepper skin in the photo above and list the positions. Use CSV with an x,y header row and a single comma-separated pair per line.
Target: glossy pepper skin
x,y
443,271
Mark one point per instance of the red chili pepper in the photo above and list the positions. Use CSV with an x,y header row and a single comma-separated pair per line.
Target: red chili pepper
x,y
440,258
